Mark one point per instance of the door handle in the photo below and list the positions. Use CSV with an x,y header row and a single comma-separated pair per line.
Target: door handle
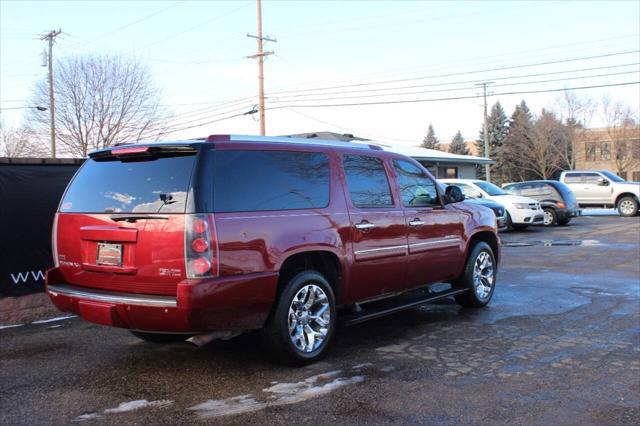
x,y
416,223
364,226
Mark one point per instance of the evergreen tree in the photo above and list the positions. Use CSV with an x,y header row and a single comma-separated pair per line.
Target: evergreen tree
x,y
498,125
457,145
518,140
431,140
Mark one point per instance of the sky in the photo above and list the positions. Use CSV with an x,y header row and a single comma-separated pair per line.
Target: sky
x,y
399,62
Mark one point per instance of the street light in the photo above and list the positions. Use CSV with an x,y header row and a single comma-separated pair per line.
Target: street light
x,y
39,108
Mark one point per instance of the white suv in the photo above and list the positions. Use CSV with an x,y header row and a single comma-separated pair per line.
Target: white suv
x,y
521,211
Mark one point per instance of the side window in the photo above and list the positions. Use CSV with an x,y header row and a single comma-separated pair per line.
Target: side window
x,y
511,189
246,181
468,190
416,188
552,193
572,177
367,181
591,178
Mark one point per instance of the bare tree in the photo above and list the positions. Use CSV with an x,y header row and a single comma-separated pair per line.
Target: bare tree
x,y
623,131
100,101
21,142
576,112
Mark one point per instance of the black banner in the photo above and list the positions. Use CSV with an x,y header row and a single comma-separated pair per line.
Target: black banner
x,y
29,197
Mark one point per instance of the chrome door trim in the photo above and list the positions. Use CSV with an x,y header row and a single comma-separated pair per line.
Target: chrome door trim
x,y
113,297
404,246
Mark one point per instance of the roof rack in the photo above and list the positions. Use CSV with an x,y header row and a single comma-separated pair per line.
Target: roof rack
x,y
290,140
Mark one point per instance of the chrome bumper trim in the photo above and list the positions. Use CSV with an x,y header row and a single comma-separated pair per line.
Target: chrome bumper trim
x,y
113,297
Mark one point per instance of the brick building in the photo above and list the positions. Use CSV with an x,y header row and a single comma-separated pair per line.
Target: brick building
x,y
613,149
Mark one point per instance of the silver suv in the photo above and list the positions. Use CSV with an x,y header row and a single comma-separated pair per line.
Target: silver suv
x,y
601,188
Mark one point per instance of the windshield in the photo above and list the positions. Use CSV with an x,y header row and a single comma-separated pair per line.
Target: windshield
x,y
156,185
489,188
612,176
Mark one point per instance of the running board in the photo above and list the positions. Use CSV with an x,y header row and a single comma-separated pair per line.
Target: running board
x,y
396,304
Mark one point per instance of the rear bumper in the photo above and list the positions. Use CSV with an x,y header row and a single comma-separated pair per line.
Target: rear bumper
x,y
224,304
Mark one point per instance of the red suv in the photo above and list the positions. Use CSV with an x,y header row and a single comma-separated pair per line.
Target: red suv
x,y
234,233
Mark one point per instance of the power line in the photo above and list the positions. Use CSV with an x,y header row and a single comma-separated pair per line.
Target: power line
x,y
464,72
455,89
415,86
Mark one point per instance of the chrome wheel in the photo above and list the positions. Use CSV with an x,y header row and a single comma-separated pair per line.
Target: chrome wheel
x,y
483,276
627,207
309,318
548,218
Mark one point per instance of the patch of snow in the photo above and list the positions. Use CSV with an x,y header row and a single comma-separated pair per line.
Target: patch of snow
x,y
599,212
138,404
361,366
279,394
54,319
590,243
225,407
88,416
10,326
54,326
388,369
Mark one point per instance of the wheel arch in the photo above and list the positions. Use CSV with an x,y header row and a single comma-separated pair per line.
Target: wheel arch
x,y
625,194
488,237
324,261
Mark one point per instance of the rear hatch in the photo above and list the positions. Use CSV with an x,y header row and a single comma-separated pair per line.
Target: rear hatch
x,y
121,221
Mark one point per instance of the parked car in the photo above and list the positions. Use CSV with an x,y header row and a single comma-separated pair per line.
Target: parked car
x,y
601,188
233,233
521,211
556,199
497,208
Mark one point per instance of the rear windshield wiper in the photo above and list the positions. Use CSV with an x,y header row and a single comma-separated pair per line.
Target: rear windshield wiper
x,y
134,217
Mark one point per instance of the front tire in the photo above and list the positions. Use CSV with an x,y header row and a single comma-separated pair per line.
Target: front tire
x,y
627,206
479,277
302,325
550,217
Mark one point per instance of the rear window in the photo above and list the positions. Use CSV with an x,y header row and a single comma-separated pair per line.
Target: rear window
x,y
157,184
246,181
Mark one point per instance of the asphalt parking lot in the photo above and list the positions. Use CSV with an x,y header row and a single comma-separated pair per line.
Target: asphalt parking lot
x,y
559,343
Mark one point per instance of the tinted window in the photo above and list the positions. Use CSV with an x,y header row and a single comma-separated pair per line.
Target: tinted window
x,y
489,188
108,185
467,190
269,180
367,181
416,189
573,177
591,178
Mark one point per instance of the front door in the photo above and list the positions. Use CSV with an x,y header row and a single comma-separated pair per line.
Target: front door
x,y
378,229
434,231
592,191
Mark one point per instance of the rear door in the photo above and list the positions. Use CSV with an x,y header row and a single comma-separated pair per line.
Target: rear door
x,y
121,222
378,228
434,231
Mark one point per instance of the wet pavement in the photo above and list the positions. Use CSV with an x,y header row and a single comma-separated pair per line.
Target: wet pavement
x,y
559,343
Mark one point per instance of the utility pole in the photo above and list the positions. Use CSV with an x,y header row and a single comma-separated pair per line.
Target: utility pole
x,y
260,56
487,167
50,36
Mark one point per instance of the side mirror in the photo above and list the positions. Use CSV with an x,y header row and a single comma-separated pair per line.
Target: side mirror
x,y
603,182
453,194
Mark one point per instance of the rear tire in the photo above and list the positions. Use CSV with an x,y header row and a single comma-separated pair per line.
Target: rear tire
x,y
160,338
627,206
301,327
479,276
550,217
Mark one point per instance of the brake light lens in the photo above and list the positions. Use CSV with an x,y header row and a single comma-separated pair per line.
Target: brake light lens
x,y
54,241
129,151
201,246
561,204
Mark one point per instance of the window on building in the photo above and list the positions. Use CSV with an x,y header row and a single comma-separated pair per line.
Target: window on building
x,y
451,173
623,175
416,188
635,149
367,181
636,176
605,151
621,150
590,151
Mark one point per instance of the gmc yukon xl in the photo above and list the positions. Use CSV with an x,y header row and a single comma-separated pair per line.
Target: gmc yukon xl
x,y
226,234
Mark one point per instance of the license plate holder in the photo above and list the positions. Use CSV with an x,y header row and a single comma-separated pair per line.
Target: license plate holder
x,y
109,254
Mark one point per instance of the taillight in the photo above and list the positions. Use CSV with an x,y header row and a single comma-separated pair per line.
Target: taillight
x,y
200,246
54,241
561,204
